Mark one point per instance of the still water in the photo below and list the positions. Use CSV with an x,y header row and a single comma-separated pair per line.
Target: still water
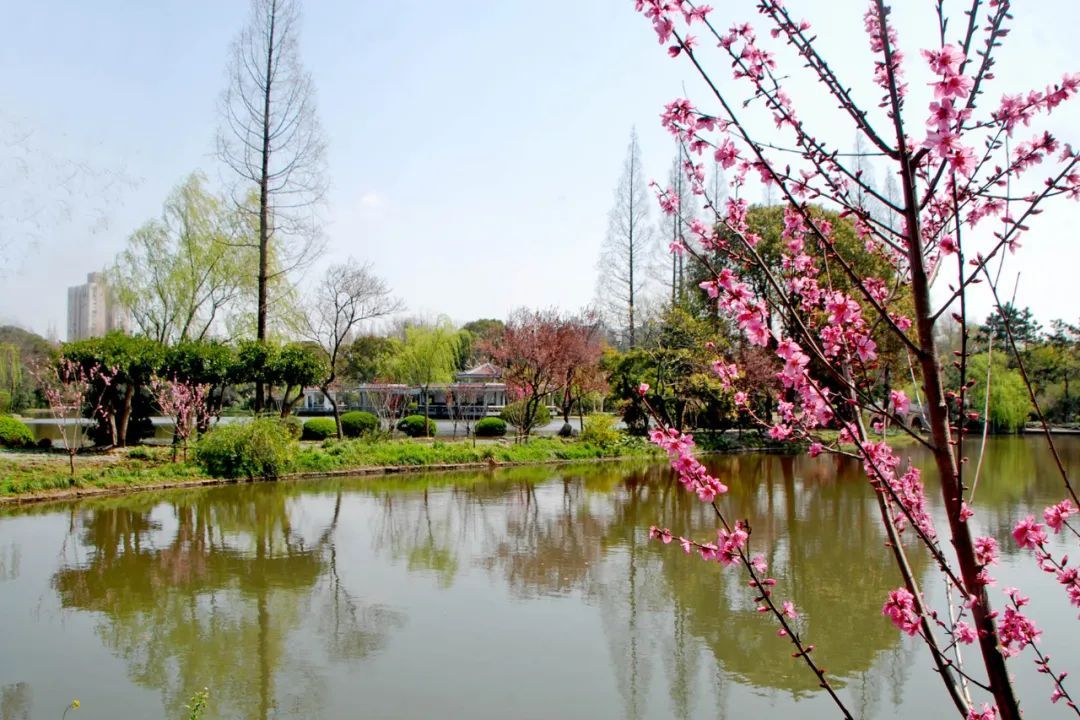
x,y
525,593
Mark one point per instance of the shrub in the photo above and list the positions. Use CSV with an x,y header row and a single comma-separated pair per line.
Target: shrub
x,y
319,428
514,413
140,452
413,426
490,427
259,448
14,433
357,423
600,430
294,425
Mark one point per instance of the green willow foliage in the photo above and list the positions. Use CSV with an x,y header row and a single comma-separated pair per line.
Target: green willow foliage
x,y
1009,401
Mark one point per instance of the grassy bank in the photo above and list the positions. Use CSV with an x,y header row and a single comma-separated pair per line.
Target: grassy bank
x,y
359,454
26,473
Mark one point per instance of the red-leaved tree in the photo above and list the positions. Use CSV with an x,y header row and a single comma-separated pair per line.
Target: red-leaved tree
x,y
972,174
541,353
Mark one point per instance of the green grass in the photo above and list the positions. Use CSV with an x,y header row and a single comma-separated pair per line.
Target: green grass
x,y
42,474
25,473
896,438
334,455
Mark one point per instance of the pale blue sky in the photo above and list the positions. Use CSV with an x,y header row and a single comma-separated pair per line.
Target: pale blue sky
x,y
473,147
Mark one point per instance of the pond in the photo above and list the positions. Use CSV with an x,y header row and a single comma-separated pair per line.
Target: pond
x,y
522,593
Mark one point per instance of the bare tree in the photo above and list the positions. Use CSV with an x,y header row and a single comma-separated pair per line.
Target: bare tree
x,y
348,295
466,402
271,139
45,195
678,225
629,242
388,401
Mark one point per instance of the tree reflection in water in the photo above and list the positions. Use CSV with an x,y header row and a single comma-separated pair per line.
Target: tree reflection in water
x,y
250,590
213,601
16,701
583,531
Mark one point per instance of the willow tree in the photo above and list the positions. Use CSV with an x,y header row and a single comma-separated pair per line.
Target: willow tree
x,y
428,356
183,273
11,376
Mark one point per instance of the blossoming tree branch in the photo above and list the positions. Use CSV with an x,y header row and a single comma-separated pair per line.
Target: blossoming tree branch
x,y
973,172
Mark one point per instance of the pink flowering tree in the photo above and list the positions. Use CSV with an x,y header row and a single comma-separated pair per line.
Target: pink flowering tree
x,y
972,174
186,403
69,388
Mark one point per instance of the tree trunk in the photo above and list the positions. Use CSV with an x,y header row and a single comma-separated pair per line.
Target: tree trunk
x,y
120,438
287,403
427,412
264,200
334,407
567,406
1068,407
951,488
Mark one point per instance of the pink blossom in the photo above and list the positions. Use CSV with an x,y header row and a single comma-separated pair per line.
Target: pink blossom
x,y
1028,533
1070,578
865,348
954,86
726,154
945,61
756,331
987,713
1016,631
899,401
965,633
986,550
661,534
726,372
642,389
789,609
779,432
731,543
1056,515
669,202
900,608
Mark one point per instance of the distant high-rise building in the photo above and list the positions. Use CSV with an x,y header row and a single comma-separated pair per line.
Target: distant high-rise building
x,y
93,310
